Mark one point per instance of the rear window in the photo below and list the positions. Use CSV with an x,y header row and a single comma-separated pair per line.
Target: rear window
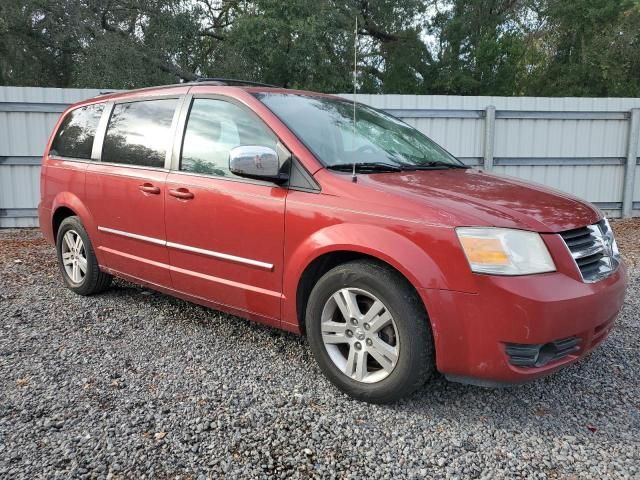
x,y
139,133
74,138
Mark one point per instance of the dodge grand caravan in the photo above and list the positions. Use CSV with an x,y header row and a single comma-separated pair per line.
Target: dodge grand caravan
x,y
393,257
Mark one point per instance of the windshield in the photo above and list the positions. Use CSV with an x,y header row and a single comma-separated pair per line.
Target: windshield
x,y
326,127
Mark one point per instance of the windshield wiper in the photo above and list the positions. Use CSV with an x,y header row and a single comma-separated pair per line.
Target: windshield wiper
x,y
433,164
366,167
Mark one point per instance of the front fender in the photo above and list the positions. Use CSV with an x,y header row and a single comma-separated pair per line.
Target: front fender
x,y
384,244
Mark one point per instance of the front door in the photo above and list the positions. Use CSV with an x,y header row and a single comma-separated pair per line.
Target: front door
x,y
125,191
224,233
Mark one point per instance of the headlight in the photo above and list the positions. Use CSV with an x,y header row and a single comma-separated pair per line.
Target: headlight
x,y
502,251
609,236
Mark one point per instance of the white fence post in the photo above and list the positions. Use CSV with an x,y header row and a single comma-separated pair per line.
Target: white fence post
x,y
630,168
489,136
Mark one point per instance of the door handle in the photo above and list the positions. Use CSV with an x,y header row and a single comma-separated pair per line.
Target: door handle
x,y
181,193
149,188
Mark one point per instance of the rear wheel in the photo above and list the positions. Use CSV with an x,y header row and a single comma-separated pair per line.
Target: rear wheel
x,y
369,332
77,260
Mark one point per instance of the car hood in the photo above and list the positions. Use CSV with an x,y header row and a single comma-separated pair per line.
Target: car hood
x,y
475,197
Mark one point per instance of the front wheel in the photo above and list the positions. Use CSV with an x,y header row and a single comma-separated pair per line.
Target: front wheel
x,y
369,332
77,260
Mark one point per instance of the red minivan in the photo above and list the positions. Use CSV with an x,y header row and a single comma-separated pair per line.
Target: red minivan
x,y
311,214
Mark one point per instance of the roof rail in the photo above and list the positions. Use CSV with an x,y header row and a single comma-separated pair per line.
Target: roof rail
x,y
233,81
215,81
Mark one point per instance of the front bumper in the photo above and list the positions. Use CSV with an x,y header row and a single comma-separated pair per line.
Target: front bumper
x,y
473,331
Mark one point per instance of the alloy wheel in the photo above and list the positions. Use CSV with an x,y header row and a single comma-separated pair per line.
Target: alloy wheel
x,y
74,256
360,335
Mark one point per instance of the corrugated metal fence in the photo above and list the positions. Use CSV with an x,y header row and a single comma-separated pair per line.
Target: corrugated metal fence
x,y
589,147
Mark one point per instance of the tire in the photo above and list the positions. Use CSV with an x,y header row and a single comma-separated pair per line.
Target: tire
x,y
71,261
391,362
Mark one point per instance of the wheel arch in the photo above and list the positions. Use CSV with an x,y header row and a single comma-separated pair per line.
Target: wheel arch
x,y
327,261
58,217
335,245
67,204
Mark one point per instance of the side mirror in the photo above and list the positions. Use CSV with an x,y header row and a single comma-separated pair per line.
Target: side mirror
x,y
257,162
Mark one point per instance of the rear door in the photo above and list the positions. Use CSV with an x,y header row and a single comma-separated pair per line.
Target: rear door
x,y
125,190
224,233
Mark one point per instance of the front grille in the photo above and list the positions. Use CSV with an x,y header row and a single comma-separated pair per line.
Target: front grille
x,y
594,250
539,355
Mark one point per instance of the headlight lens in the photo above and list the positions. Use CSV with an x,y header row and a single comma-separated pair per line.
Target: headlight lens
x,y
502,251
611,237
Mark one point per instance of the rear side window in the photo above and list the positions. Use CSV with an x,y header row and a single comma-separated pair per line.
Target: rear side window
x,y
74,138
214,128
139,133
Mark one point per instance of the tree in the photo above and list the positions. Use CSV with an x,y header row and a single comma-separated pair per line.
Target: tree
x,y
480,47
113,43
294,44
484,47
591,47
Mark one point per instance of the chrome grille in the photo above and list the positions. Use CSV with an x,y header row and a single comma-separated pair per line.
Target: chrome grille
x,y
594,250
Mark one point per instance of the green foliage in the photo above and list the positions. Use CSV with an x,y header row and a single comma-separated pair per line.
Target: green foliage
x,y
293,43
484,47
593,48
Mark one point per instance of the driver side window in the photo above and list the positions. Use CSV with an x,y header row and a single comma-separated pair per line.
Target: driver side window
x,y
214,128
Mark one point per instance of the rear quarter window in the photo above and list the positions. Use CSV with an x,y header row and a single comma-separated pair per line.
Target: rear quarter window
x,y
74,138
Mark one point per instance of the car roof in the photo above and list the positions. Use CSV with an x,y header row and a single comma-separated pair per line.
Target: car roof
x,y
219,86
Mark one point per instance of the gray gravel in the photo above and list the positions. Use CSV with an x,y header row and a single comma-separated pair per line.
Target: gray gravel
x,y
132,383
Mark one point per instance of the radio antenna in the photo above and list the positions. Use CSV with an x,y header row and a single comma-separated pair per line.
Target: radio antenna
x,y
355,87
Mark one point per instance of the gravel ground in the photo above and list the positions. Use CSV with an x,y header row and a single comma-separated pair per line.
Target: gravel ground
x,y
132,383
